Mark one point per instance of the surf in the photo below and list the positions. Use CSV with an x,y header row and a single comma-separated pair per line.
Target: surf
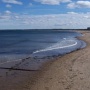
x,y
60,45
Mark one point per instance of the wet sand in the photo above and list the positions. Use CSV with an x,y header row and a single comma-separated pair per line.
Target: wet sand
x,y
70,72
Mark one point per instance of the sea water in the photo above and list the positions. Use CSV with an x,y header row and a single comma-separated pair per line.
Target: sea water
x,y
19,44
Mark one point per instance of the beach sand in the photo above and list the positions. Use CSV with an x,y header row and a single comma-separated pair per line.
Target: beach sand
x,y
69,72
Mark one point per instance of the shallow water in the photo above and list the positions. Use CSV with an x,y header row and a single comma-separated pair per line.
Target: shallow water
x,y
39,45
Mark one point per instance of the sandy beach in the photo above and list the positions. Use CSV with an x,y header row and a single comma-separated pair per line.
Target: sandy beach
x,y
69,72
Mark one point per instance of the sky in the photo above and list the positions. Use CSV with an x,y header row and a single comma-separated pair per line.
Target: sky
x,y
44,14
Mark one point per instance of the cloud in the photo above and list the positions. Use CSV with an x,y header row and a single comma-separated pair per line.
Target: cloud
x,y
8,6
12,2
79,4
87,17
7,12
72,13
72,5
25,21
83,4
6,15
52,2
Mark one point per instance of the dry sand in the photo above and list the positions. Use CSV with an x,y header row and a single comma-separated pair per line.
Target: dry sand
x,y
70,72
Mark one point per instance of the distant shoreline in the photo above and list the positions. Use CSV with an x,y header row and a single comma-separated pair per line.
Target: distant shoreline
x,y
48,29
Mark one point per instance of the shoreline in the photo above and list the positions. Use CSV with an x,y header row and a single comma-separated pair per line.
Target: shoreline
x,y
54,75
63,72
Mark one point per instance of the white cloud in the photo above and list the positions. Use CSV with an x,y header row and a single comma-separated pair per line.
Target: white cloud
x,y
4,17
69,20
17,17
7,12
83,4
7,15
72,5
79,4
8,6
87,17
52,2
72,13
12,2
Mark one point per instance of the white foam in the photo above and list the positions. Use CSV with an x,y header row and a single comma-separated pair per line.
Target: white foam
x,y
59,45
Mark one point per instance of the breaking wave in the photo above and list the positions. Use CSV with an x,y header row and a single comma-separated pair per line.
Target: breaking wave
x,y
63,44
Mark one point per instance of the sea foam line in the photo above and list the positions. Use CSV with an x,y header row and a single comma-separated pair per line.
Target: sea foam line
x,y
53,48
47,49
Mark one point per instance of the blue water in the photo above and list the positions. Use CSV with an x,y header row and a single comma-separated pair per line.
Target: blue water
x,y
17,44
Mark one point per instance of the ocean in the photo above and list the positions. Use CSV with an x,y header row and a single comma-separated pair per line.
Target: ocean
x,y
19,44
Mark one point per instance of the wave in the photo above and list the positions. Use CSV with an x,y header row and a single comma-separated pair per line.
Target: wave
x,y
63,44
